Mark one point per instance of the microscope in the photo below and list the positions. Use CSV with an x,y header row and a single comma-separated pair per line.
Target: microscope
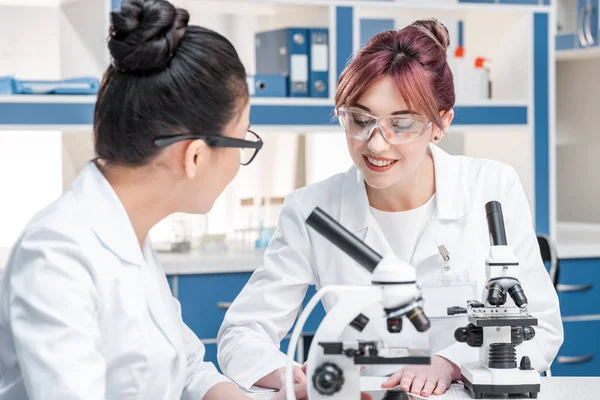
x,y
353,332
496,327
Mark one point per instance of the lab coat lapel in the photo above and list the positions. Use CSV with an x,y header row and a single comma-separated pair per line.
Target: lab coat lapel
x,y
107,215
356,214
159,299
452,201
113,228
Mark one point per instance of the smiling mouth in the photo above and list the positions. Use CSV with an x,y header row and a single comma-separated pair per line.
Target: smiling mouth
x,y
379,164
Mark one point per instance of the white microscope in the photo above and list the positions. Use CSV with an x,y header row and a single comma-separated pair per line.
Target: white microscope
x,y
496,327
342,344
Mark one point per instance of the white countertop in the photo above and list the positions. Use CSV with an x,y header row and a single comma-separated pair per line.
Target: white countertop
x,y
554,388
197,262
578,240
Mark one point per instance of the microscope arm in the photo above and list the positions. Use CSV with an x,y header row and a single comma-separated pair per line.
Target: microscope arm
x,y
289,373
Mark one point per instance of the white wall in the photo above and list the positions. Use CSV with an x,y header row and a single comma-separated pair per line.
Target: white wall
x,y
29,42
31,178
83,45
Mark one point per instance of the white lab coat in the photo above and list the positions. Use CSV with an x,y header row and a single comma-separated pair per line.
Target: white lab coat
x,y
85,313
297,257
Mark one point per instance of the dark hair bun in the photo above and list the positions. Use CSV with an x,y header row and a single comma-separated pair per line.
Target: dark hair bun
x,y
436,30
145,34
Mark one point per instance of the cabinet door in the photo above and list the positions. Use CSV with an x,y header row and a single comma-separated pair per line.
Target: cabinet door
x,y
579,287
204,300
580,352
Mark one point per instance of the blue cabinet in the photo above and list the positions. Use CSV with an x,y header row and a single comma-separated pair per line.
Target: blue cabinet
x,y
211,354
580,352
579,295
579,287
204,300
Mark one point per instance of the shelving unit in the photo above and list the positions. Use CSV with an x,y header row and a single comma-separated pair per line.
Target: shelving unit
x,y
522,74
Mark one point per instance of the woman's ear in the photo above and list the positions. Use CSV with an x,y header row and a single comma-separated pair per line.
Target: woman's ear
x,y
447,117
440,131
196,154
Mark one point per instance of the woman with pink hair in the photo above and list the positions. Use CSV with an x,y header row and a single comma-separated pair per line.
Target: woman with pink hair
x,y
403,195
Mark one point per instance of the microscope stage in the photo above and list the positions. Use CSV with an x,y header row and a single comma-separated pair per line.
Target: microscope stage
x,y
527,320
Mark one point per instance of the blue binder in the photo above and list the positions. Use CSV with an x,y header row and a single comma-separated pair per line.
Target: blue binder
x,y
7,85
263,85
318,78
285,52
66,86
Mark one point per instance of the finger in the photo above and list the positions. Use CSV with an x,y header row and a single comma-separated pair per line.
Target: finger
x,y
304,368
299,376
442,386
365,396
418,383
300,391
393,380
428,388
406,382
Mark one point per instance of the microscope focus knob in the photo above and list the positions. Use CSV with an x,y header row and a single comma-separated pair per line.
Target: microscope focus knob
x,y
470,334
328,379
525,364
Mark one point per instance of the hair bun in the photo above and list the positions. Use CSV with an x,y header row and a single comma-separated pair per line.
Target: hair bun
x,y
145,34
435,30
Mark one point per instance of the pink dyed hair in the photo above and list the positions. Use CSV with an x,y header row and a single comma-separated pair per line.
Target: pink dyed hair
x,y
415,58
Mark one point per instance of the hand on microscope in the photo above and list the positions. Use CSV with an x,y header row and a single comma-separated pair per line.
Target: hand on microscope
x,y
425,380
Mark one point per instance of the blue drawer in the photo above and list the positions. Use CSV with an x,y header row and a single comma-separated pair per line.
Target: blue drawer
x,y
580,352
211,354
200,295
170,280
317,314
579,287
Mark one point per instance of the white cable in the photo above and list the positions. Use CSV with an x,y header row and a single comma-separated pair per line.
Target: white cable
x,y
289,370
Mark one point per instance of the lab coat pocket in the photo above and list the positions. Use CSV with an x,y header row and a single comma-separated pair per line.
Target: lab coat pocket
x,y
444,285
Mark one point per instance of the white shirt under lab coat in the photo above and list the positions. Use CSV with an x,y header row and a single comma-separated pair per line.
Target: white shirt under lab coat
x,y
297,257
85,313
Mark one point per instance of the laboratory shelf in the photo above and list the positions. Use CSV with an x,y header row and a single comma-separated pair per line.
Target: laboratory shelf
x,y
439,5
589,53
57,112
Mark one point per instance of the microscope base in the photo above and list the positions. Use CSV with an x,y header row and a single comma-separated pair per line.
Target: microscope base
x,y
481,380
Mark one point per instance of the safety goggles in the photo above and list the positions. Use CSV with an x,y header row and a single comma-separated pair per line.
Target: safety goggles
x,y
395,129
249,146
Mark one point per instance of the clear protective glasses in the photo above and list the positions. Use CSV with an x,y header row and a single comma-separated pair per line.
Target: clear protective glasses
x,y
395,129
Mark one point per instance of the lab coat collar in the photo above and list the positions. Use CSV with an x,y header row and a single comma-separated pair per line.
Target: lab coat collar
x,y
107,215
451,192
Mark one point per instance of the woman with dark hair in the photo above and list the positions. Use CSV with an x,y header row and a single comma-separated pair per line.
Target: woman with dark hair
x,y
85,308
405,196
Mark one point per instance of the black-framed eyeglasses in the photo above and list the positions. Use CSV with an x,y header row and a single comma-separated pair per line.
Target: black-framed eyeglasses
x,y
249,147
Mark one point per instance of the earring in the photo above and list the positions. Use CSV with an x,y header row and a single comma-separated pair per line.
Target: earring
x,y
436,138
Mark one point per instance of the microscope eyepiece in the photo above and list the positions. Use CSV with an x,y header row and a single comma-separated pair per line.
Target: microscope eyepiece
x,y
496,295
518,295
495,220
418,318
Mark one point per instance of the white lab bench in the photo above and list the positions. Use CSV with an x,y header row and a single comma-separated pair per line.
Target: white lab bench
x,y
552,389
